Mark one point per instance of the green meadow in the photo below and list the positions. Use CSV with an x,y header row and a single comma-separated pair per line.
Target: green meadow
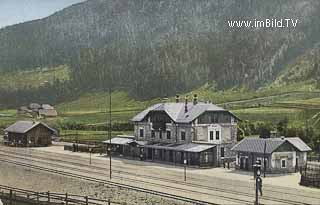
x,y
298,103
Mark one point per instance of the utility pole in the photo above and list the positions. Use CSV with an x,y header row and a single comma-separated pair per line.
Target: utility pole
x,y
110,124
264,158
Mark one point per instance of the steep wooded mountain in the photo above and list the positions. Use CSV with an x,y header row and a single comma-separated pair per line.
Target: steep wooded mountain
x,y
161,47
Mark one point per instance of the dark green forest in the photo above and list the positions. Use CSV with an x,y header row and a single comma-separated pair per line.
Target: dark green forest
x,y
156,49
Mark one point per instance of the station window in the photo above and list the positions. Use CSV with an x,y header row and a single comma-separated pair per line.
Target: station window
x,y
211,135
141,132
222,151
217,135
168,134
183,135
160,134
153,134
283,163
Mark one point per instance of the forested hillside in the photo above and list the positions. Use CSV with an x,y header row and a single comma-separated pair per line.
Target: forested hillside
x,y
155,48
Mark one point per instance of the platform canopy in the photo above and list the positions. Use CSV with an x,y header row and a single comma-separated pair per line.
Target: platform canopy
x,y
119,141
189,147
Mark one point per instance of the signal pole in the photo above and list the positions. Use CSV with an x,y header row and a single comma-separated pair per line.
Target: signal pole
x,y
110,124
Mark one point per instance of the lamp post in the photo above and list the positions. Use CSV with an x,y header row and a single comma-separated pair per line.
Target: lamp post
x,y
258,187
185,169
90,150
318,149
110,128
264,159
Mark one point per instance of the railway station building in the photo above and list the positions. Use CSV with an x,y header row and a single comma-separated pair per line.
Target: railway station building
x,y
200,134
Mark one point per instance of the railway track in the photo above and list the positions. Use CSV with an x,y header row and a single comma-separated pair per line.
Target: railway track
x,y
110,183
184,183
170,177
235,194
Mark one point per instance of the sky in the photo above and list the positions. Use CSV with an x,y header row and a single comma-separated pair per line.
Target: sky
x,y
18,11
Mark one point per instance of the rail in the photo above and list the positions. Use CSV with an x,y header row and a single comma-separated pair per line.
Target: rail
x,y
117,184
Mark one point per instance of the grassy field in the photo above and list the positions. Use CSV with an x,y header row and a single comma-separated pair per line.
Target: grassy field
x,y
33,78
94,108
301,90
296,103
89,135
272,114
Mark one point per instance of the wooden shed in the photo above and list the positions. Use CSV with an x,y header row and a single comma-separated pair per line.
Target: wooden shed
x,y
29,134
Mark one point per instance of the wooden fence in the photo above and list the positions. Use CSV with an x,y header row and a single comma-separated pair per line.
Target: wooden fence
x,y
13,196
310,175
314,158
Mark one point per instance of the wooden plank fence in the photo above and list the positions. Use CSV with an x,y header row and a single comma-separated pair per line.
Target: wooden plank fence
x,y
12,195
310,175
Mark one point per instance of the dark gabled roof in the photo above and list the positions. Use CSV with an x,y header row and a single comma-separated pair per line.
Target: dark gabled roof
x,y
25,126
176,111
256,145
299,144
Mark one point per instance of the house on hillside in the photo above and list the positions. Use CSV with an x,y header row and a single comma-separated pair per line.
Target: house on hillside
x,y
38,111
200,133
47,110
34,106
278,155
48,113
29,134
47,107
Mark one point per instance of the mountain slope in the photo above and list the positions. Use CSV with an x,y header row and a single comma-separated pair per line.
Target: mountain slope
x,y
154,47
26,10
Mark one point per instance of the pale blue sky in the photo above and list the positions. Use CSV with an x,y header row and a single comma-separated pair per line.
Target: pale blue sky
x,y
18,11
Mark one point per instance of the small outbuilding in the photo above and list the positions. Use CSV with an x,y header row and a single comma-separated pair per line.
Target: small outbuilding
x,y
47,107
278,155
48,113
34,106
29,134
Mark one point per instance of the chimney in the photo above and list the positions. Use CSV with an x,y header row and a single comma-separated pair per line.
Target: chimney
x,y
186,104
195,99
177,98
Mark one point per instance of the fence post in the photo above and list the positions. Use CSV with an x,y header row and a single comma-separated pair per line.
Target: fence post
x,y
66,199
87,200
37,197
109,201
48,196
10,197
